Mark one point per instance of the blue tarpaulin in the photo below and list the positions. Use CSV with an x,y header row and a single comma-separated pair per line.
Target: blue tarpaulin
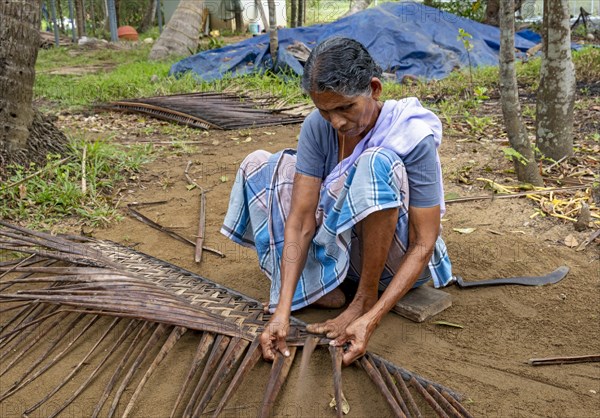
x,y
404,38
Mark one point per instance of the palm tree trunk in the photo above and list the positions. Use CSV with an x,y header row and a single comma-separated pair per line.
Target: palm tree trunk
x,y
19,37
293,13
148,16
273,38
181,35
525,164
301,13
357,6
80,18
556,93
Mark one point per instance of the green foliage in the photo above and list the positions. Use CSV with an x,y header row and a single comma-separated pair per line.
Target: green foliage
x,y
474,10
212,42
512,155
587,63
478,124
47,195
465,38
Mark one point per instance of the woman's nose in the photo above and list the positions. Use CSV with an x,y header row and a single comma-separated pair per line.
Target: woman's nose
x,y
337,121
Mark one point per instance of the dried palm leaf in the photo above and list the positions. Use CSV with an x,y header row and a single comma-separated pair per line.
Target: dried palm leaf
x,y
68,286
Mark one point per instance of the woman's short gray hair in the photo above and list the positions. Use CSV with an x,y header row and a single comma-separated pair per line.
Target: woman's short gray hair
x,y
341,65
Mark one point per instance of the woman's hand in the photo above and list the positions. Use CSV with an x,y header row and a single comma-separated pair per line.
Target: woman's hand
x,y
273,337
355,339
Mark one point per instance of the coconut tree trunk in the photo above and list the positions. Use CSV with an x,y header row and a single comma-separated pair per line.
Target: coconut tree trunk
x,y
301,17
19,41
181,35
357,6
293,13
80,18
25,135
238,15
492,10
273,38
148,16
525,164
556,93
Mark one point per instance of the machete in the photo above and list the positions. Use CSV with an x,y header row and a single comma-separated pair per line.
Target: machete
x,y
551,278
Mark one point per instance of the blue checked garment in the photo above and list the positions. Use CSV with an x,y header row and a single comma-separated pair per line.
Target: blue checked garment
x,y
260,203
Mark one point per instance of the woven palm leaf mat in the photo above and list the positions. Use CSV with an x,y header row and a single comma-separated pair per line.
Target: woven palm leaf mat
x,y
120,313
213,110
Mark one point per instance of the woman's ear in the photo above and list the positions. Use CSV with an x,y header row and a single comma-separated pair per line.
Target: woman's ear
x,y
376,88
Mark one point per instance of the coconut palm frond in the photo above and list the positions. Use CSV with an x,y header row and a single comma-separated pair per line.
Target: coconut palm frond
x,y
119,315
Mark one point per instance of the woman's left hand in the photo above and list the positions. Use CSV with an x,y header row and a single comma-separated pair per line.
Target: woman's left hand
x,y
355,338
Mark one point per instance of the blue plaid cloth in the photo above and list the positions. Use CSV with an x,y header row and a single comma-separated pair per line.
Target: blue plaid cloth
x,y
260,203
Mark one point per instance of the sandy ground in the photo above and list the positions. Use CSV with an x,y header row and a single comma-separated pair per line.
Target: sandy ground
x,y
485,360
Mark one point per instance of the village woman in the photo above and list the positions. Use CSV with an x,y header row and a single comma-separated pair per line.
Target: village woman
x,y
361,199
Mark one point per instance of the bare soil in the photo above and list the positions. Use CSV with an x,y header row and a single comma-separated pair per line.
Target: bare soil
x,y
503,327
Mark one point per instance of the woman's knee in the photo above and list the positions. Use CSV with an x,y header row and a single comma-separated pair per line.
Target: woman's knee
x,y
254,160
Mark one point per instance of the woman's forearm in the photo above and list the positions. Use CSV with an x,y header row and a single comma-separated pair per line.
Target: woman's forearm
x,y
413,263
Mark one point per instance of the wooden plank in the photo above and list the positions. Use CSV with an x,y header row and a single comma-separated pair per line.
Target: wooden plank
x,y
422,303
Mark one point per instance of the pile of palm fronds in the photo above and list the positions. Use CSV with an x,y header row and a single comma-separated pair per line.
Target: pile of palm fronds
x,y
122,312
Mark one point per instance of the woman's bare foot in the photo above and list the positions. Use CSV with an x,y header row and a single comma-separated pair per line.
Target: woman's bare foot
x,y
332,300
333,328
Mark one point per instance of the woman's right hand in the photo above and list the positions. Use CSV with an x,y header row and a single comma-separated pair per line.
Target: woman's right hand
x,y
273,337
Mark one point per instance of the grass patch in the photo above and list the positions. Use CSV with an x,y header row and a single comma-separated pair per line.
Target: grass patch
x,y
46,196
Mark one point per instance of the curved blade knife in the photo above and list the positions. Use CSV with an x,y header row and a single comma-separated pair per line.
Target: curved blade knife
x,y
551,278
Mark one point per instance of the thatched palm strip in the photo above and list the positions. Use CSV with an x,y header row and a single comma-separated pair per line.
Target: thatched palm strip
x,y
133,346
76,368
234,352
165,349
219,347
248,363
204,346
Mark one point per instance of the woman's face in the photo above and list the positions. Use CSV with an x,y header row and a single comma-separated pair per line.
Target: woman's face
x,y
352,117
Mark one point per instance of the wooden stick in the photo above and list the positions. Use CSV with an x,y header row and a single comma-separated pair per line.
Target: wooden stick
x,y
564,360
252,356
375,376
204,346
137,215
202,218
83,163
166,348
279,371
336,362
588,240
